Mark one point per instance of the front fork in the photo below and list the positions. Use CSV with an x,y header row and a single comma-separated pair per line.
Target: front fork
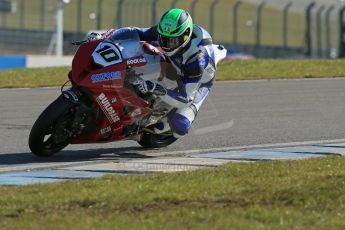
x,y
81,111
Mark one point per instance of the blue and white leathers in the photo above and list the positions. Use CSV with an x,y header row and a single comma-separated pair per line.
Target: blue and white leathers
x,y
196,68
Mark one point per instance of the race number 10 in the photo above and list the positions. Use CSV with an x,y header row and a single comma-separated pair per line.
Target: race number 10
x,y
107,54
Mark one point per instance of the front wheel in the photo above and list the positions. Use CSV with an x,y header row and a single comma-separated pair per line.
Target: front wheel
x,y
150,140
50,133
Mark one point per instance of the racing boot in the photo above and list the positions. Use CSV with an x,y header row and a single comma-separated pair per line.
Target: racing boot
x,y
161,126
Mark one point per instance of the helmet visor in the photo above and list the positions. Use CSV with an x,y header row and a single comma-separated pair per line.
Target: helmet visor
x,y
170,43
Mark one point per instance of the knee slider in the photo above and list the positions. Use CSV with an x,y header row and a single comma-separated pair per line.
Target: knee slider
x,y
179,124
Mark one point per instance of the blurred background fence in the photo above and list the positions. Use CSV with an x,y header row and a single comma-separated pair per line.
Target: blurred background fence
x,y
287,30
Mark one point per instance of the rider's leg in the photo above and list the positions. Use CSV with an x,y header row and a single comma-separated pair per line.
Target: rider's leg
x,y
181,121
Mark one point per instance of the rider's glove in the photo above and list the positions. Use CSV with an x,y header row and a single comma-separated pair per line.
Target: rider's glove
x,y
150,87
145,86
94,36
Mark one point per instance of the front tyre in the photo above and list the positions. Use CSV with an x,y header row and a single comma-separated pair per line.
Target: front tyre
x,y
50,132
150,140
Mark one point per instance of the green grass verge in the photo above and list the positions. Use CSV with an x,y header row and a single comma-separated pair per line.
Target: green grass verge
x,y
40,77
280,69
305,194
235,70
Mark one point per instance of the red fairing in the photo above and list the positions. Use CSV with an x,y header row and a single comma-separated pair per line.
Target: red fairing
x,y
116,106
82,62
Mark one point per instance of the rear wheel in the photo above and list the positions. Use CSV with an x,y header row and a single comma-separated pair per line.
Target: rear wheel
x,y
150,140
51,133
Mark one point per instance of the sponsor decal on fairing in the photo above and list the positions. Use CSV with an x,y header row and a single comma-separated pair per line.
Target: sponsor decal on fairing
x,y
105,130
136,61
113,100
136,112
105,76
106,107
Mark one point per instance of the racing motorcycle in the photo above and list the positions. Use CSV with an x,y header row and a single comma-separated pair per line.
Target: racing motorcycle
x,y
103,104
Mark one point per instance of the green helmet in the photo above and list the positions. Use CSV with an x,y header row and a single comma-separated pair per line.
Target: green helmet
x,y
174,31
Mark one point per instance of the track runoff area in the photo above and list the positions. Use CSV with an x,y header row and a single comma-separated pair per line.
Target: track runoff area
x,y
243,121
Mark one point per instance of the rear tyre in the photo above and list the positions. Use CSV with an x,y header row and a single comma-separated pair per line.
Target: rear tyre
x,y
50,132
150,140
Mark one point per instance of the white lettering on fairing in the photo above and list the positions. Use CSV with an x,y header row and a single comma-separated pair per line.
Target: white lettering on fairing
x,y
109,111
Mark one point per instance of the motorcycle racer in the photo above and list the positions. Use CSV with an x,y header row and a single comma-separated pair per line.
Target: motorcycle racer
x,y
188,48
